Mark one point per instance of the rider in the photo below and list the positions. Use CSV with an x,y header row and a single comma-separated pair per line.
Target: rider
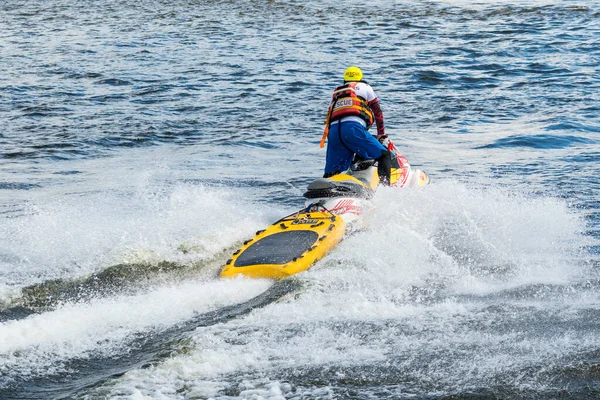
x,y
353,109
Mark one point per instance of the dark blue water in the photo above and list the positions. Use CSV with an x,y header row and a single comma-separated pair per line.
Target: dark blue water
x,y
140,142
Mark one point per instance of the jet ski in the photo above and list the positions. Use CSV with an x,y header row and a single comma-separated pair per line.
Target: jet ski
x,y
334,207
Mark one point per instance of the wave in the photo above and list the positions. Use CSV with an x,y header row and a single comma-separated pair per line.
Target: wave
x,y
81,345
541,141
450,288
111,281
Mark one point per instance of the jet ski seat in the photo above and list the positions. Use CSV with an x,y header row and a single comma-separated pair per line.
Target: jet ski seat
x,y
361,169
325,187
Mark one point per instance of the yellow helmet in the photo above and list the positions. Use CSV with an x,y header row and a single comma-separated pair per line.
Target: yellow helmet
x,y
353,74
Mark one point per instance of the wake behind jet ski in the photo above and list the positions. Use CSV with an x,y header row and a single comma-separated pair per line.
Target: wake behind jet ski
x,y
334,207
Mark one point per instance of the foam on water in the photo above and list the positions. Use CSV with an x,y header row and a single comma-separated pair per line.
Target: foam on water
x,y
407,296
41,344
124,215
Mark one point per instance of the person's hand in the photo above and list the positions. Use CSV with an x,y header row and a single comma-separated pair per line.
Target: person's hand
x,y
382,138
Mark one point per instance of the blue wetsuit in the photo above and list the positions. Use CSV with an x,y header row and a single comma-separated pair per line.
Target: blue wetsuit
x,y
345,139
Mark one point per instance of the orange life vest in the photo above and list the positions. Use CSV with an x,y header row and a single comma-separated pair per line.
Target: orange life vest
x,y
346,102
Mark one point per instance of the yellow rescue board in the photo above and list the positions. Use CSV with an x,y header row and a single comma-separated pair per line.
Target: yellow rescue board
x,y
289,246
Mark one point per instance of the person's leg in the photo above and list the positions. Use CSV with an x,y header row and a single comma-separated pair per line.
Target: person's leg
x,y
357,138
360,141
338,157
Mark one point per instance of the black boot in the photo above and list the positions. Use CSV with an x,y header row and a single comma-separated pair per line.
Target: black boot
x,y
384,167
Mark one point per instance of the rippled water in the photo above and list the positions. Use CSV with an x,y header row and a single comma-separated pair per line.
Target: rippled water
x,y
140,142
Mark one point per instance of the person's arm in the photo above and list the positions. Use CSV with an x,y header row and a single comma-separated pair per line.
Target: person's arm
x,y
378,116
